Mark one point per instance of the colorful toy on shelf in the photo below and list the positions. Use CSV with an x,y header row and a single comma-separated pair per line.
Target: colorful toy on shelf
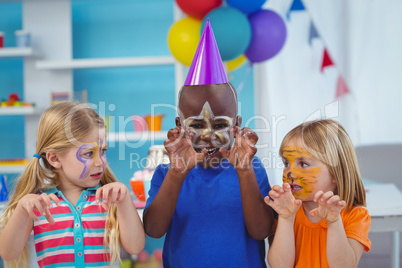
x,y
22,38
58,97
140,123
3,189
154,122
14,101
148,122
1,39
13,98
146,260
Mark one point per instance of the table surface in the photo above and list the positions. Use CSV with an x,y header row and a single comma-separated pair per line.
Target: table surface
x,y
383,200
384,203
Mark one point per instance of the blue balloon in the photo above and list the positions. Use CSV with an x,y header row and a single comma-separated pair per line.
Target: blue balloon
x,y
246,6
232,31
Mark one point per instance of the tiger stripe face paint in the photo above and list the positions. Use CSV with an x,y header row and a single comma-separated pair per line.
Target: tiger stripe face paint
x,y
305,174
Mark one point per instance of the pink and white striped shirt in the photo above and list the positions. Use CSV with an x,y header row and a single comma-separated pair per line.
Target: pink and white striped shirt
x,y
76,239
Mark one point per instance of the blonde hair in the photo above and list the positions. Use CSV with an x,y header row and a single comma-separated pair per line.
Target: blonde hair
x,y
327,141
61,127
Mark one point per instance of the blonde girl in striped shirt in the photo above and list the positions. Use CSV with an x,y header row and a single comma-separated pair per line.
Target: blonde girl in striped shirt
x,y
68,196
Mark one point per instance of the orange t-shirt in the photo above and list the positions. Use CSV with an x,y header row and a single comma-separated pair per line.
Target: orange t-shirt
x,y
311,238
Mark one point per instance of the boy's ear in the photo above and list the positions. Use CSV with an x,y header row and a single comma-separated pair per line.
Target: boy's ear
x,y
177,120
53,159
238,121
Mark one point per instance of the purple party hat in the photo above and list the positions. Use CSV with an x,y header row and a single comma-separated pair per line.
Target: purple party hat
x,y
207,67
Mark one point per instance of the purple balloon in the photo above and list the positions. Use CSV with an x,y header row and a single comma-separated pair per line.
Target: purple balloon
x,y
268,35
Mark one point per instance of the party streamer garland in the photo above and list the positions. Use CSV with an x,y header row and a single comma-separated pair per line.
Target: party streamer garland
x,y
341,87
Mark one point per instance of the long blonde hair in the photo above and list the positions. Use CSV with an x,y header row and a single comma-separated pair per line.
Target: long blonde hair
x,y
328,141
60,127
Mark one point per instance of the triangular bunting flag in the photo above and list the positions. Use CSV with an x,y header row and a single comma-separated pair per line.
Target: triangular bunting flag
x,y
297,5
326,60
313,33
341,87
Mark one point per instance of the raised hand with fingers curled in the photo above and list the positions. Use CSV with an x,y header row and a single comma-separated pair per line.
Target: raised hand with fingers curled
x,y
329,206
181,153
112,193
40,203
282,201
241,154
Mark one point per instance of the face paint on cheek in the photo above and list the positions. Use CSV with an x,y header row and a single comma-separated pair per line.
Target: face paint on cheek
x,y
221,138
86,160
288,172
206,123
102,155
306,178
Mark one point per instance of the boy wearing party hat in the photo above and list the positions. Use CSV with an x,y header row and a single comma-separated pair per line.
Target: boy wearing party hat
x,y
209,199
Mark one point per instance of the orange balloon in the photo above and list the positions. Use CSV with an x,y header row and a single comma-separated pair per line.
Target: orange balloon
x,y
183,39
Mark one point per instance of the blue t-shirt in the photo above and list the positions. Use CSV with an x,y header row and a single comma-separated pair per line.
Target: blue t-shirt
x,y
208,228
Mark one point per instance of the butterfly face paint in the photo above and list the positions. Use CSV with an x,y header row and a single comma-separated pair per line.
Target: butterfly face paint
x,y
301,171
87,155
209,129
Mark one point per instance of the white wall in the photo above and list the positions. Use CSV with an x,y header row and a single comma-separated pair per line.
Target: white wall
x,y
364,43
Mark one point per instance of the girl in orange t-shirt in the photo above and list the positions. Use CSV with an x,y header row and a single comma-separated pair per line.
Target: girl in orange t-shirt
x,y
321,221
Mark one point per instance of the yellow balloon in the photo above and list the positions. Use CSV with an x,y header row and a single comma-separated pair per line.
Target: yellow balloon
x,y
183,39
236,63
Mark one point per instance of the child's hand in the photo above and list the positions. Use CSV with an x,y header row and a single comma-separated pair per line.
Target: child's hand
x,y
329,206
242,153
181,153
41,203
283,201
111,193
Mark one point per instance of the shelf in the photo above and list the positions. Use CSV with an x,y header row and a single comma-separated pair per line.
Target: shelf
x,y
137,136
15,51
11,169
20,111
104,63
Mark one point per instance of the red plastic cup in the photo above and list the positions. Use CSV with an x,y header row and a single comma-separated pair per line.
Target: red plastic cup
x,y
138,189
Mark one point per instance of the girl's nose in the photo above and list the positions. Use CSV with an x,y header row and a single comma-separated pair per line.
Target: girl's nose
x,y
290,176
98,160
